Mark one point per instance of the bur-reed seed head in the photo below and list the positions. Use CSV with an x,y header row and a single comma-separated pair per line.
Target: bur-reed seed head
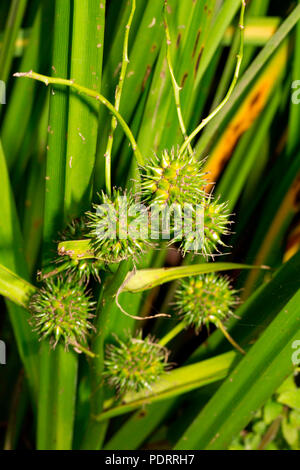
x,y
206,235
170,178
206,298
82,269
116,228
61,311
134,364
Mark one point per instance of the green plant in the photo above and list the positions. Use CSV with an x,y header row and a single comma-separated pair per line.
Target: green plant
x,y
125,81
134,364
205,299
61,309
276,426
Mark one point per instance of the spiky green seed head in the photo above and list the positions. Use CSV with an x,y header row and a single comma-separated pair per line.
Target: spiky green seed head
x,y
117,227
82,269
206,236
134,364
206,298
172,179
61,311
75,230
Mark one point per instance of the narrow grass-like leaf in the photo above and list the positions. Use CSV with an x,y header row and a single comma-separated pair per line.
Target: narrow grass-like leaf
x,y
148,278
106,314
22,98
14,21
15,288
257,376
58,368
12,256
176,382
249,75
86,70
257,312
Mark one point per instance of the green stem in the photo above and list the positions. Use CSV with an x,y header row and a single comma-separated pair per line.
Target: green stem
x,y
94,94
171,334
58,368
232,86
176,87
118,94
15,288
82,349
14,21
220,325
107,309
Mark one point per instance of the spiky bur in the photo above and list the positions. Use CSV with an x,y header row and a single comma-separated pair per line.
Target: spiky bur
x,y
206,298
83,269
118,228
61,311
208,230
178,181
172,179
134,364
75,230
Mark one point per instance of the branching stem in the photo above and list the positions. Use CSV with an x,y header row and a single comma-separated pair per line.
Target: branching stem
x,y
93,94
229,338
118,94
176,87
232,86
171,334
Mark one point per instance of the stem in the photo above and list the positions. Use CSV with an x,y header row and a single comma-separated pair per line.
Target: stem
x,y
232,86
18,410
118,94
83,349
94,94
171,334
15,288
106,314
176,87
220,325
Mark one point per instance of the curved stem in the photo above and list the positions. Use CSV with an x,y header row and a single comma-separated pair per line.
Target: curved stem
x,y
171,334
229,338
83,349
107,312
176,87
232,86
93,94
118,94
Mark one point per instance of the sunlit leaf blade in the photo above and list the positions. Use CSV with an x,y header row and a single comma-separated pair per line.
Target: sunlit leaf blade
x,y
149,278
174,383
254,380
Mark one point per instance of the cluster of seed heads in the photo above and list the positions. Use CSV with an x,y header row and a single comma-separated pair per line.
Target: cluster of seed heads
x,y
168,180
179,179
62,310
109,225
204,299
134,364
173,179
